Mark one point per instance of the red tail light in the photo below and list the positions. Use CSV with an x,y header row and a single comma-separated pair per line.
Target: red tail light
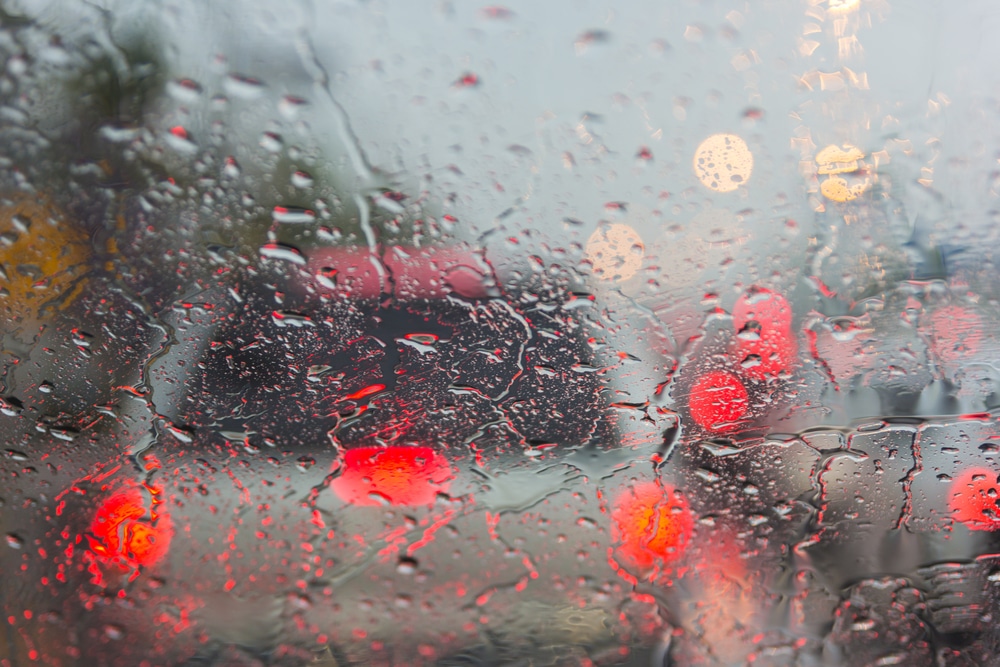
x,y
129,530
398,475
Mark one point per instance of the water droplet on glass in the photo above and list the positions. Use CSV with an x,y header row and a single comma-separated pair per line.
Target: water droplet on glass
x,y
302,179
284,318
180,140
271,142
282,252
406,566
496,13
290,107
231,169
590,39
184,90
243,87
467,80
292,215
10,406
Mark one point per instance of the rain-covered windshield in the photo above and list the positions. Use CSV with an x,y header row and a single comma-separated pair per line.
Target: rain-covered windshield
x,y
551,333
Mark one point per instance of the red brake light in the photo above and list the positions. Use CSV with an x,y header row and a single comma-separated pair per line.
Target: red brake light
x,y
718,400
651,524
973,499
130,530
397,475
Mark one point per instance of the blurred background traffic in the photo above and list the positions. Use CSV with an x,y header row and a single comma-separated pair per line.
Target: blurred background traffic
x,y
570,333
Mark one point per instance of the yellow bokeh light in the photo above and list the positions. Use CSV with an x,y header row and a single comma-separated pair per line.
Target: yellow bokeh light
x,y
839,159
723,162
847,174
615,251
838,190
40,256
844,6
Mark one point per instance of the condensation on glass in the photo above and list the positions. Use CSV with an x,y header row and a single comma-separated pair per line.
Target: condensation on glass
x,y
438,333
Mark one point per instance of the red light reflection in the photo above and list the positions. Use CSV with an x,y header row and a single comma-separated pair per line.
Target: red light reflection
x,y
766,346
717,400
652,525
973,499
957,333
397,475
129,530
769,309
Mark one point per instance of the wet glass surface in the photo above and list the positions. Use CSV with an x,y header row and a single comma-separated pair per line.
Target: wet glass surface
x,y
433,333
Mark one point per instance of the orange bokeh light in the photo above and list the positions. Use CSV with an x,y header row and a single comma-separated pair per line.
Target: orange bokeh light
x,y
397,475
652,525
129,530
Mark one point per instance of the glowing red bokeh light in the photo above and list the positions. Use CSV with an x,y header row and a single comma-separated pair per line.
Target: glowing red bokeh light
x,y
718,399
651,524
397,475
765,344
973,499
768,356
767,308
128,529
957,333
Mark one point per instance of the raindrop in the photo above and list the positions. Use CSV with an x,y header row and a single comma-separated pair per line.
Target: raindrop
x,y
282,252
289,319
591,38
271,142
231,169
406,565
17,65
179,139
496,13
63,434
10,406
422,338
302,179
292,215
184,90
243,87
182,434
290,106
327,277
119,135
318,370
467,80
20,223
720,449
